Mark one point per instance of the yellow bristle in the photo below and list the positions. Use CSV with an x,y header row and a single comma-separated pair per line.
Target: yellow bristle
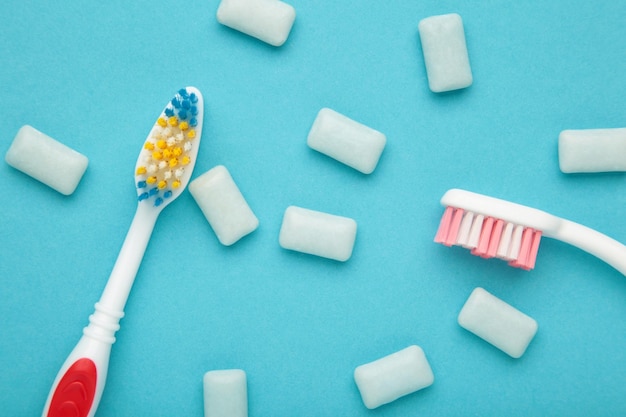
x,y
167,153
191,134
176,184
173,121
141,170
149,146
177,151
157,155
183,126
186,160
162,144
162,122
162,184
173,162
151,180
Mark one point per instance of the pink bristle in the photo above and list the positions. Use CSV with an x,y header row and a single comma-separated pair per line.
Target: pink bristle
x,y
454,227
494,242
533,249
485,237
523,259
444,225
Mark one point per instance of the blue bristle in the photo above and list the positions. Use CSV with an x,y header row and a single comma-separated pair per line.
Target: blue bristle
x,y
186,104
141,184
142,196
167,194
169,112
153,191
183,93
193,122
158,202
193,97
182,114
176,102
194,110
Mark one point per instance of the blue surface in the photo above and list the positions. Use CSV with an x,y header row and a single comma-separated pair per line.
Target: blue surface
x,y
95,76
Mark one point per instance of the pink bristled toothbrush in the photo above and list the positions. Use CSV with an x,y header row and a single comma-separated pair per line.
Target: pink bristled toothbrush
x,y
162,172
491,227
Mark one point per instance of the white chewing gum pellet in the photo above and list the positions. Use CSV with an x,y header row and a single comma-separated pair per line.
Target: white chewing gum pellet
x,y
267,20
592,150
346,140
497,322
223,205
317,233
394,376
46,160
225,393
445,52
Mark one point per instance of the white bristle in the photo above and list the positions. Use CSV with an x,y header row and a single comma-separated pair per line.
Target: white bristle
x,y
171,142
156,131
505,241
162,164
516,242
464,228
152,168
167,175
474,235
180,137
187,146
179,172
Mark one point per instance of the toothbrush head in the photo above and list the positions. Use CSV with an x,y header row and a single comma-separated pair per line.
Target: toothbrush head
x,y
494,228
169,153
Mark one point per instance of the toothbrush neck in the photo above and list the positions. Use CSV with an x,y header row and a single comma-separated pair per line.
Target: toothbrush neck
x,y
599,245
115,294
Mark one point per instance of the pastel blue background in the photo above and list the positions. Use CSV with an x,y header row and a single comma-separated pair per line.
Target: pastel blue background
x,y
95,76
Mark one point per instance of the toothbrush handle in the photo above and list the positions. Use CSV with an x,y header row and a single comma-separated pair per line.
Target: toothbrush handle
x,y
80,382
599,245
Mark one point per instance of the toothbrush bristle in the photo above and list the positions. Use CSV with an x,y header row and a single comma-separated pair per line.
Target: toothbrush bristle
x,y
489,237
166,153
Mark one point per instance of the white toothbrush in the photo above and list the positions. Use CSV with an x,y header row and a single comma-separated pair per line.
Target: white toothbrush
x,y
162,172
491,227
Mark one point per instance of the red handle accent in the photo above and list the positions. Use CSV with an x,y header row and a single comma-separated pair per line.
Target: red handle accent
x,y
74,394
